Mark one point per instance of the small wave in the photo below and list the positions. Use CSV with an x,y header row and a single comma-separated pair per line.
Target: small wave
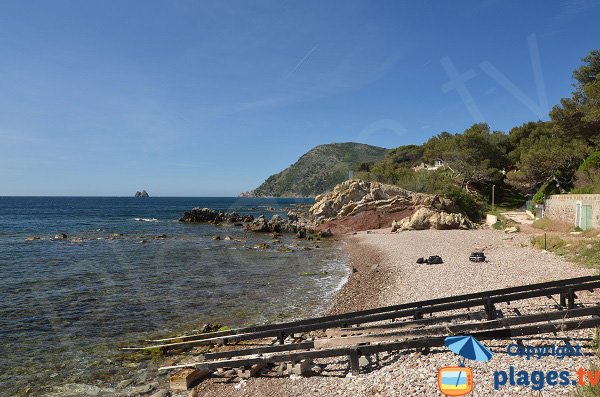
x,y
146,219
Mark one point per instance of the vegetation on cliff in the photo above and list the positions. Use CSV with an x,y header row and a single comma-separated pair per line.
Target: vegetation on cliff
x,y
319,170
541,156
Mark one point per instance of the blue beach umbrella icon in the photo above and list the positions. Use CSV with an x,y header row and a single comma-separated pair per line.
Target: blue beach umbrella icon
x,y
468,347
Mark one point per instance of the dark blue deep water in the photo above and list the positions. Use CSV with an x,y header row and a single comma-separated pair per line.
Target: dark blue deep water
x,y
66,305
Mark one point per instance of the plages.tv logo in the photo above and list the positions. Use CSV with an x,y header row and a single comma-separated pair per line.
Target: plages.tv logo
x,y
458,381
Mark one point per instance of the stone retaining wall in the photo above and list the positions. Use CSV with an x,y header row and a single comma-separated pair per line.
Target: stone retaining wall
x,y
562,207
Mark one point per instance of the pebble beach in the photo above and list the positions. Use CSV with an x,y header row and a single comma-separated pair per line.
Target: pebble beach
x,y
385,273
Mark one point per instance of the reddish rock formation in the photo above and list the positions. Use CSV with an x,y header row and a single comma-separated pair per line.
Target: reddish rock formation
x,y
357,205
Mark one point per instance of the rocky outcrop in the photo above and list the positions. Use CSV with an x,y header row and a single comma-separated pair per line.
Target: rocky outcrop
x,y
357,205
209,215
426,218
279,225
143,193
296,222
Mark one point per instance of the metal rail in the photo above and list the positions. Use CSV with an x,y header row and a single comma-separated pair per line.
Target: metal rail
x,y
565,288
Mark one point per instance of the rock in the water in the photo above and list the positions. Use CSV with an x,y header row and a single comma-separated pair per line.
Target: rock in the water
x,y
301,233
60,236
277,224
202,215
325,233
143,193
292,216
217,237
260,224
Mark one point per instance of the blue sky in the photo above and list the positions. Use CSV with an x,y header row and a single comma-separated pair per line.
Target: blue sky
x,y
191,98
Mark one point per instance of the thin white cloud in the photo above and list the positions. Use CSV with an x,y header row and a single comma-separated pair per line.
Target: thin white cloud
x,y
302,61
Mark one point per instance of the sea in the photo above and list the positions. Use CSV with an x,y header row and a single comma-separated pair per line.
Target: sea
x,y
128,270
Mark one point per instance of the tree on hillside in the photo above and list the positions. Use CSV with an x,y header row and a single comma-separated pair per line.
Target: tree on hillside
x,y
579,116
553,159
473,158
587,177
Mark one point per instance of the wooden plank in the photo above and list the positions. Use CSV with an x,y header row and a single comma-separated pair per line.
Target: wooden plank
x,y
186,378
258,350
429,302
456,328
409,324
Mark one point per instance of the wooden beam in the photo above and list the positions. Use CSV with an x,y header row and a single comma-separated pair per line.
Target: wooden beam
x,y
380,316
550,327
429,302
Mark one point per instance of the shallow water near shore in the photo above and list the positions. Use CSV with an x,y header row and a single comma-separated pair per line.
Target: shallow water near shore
x,y
68,304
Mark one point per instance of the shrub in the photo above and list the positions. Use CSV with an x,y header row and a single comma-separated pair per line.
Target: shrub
x,y
546,189
466,202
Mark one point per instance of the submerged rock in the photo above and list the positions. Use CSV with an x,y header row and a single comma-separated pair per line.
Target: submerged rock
x,y
200,215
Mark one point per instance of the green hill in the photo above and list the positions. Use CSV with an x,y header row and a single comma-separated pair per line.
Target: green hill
x,y
318,170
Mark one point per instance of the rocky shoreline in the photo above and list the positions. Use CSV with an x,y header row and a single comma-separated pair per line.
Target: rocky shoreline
x,y
352,206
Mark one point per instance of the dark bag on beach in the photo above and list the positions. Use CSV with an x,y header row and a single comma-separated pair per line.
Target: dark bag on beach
x,y
435,260
477,257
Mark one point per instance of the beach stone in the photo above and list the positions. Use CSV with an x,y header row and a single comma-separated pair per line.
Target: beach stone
x,y
510,230
142,389
363,361
161,393
325,233
124,383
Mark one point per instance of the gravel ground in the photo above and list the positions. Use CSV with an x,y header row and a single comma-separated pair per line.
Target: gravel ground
x,y
386,273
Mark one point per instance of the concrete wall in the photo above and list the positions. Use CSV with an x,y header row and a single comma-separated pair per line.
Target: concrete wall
x,y
562,207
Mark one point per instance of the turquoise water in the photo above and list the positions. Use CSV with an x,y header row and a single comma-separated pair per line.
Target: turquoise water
x,y
66,305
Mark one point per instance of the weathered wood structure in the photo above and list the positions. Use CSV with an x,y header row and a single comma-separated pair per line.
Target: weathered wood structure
x,y
368,332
